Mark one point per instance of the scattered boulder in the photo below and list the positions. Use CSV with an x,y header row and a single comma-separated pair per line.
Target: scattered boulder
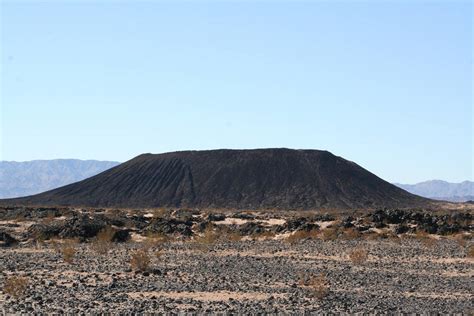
x,y
324,218
82,226
347,222
45,231
170,226
401,229
6,240
308,227
241,215
122,235
447,229
295,223
202,226
216,217
251,228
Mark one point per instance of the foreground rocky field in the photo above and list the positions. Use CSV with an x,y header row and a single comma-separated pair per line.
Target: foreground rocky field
x,y
58,260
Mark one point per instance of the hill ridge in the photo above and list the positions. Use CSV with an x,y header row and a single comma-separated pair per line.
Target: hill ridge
x,y
278,178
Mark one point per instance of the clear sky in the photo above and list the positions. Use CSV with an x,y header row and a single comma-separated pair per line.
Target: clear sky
x,y
385,84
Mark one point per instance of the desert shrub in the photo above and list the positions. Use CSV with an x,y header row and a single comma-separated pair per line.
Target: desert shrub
x,y
462,239
103,241
160,213
385,235
330,233
265,235
429,242
230,236
351,234
470,251
15,286
159,254
371,236
68,250
19,218
48,219
156,240
358,256
302,235
140,260
55,245
317,284
207,239
425,238
39,240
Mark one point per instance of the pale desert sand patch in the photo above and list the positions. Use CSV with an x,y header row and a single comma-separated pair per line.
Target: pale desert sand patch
x,y
240,221
32,250
324,225
273,221
66,278
451,295
137,237
342,257
282,236
425,259
417,294
205,296
455,274
232,221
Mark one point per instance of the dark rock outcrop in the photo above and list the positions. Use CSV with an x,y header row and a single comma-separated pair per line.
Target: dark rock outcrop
x,y
6,240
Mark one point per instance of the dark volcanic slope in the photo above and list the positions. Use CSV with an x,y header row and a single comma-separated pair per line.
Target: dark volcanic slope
x,y
244,179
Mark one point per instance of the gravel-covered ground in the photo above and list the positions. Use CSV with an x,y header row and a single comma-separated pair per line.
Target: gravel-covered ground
x,y
245,277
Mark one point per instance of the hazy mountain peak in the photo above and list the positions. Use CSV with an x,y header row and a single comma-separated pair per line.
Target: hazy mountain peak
x,y
22,178
442,190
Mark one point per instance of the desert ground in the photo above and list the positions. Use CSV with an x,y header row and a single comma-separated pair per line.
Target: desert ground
x,y
56,260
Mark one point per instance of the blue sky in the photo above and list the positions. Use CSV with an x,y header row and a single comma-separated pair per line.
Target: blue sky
x,y
385,84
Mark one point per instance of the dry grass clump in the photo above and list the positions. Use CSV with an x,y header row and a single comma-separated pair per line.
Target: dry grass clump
x,y
207,239
317,284
19,218
140,260
39,240
330,233
68,250
358,256
470,251
388,235
160,213
103,241
429,242
230,236
156,240
425,238
15,286
351,234
299,235
265,235
48,219
462,239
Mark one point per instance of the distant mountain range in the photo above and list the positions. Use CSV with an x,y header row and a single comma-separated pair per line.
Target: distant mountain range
x,y
31,177
442,190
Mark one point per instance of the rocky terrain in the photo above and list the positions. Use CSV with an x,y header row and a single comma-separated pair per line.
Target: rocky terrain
x,y
275,178
56,260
